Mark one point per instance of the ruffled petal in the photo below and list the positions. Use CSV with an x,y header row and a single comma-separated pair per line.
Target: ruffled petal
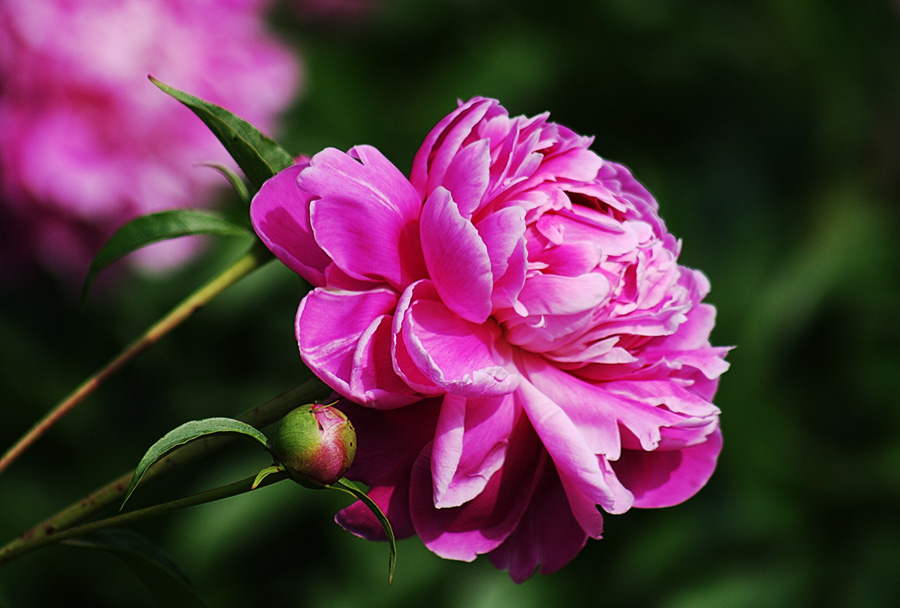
x,y
470,444
456,257
365,215
467,176
584,404
442,144
454,354
503,233
329,327
666,478
548,535
372,377
280,216
483,523
581,473
644,409
558,295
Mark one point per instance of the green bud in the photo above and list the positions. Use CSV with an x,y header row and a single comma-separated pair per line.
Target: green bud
x,y
316,444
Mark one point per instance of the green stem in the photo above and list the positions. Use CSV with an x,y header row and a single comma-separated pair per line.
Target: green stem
x,y
260,416
125,519
254,258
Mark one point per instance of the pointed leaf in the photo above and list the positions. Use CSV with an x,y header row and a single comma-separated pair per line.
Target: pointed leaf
x,y
348,487
258,156
234,179
187,432
159,226
156,569
266,472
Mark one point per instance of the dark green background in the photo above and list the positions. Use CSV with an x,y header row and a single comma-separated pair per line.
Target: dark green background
x,y
769,132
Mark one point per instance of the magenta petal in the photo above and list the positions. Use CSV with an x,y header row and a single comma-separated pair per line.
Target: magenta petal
x,y
694,332
389,443
456,257
469,446
484,522
579,468
373,376
559,295
548,535
585,405
467,176
666,478
280,215
365,215
329,326
503,233
442,144
644,408
459,356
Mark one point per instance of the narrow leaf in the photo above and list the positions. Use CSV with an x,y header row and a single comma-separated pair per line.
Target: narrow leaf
x,y
187,432
347,486
156,569
272,470
258,156
234,179
155,227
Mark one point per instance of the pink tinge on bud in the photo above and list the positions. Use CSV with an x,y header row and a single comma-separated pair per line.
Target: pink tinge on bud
x,y
315,443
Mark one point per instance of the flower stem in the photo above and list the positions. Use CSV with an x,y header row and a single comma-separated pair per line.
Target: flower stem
x,y
254,258
124,519
49,530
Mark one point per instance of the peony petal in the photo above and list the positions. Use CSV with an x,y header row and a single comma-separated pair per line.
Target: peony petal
x,y
577,163
586,484
280,215
503,233
457,259
444,141
666,478
664,392
584,404
389,443
469,446
599,410
571,259
467,176
693,333
582,224
329,326
548,535
452,353
558,295
372,376
484,522
365,215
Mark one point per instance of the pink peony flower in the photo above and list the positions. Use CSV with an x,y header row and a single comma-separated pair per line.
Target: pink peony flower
x,y
513,329
87,142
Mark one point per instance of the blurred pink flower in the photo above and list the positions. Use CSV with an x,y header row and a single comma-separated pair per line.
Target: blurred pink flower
x,y
514,328
87,142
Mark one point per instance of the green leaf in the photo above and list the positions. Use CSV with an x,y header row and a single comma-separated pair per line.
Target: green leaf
x,y
156,227
272,470
258,156
347,486
156,569
187,432
234,179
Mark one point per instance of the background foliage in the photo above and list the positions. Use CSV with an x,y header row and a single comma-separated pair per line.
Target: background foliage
x,y
769,130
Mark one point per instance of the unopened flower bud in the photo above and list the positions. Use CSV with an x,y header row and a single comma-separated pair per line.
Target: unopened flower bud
x,y
315,444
